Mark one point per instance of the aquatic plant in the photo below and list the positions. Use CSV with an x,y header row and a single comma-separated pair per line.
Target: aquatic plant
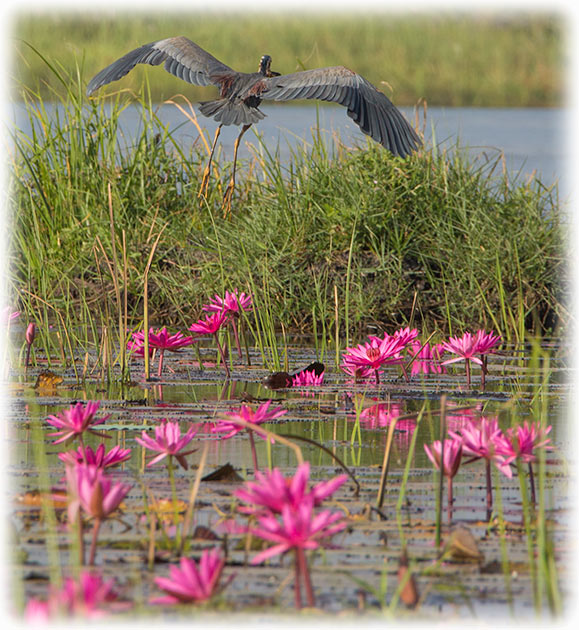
x,y
272,491
426,358
468,346
450,454
246,413
7,315
374,354
76,420
307,378
485,440
162,340
522,443
99,458
168,442
233,304
87,597
211,325
191,582
137,343
284,513
90,489
29,337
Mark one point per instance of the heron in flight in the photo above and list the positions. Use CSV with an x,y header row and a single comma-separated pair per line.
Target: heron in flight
x,y
240,94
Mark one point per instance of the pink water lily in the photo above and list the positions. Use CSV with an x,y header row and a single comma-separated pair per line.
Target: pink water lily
x,y
308,379
88,597
76,420
451,453
93,491
272,491
189,582
99,458
137,343
259,415
426,359
211,325
468,347
485,440
380,415
374,354
168,441
7,315
359,372
233,302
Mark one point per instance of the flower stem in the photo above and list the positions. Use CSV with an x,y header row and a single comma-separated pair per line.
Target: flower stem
x,y
161,356
450,500
489,489
174,498
297,586
304,570
95,533
468,372
377,376
532,481
222,356
236,335
253,451
483,372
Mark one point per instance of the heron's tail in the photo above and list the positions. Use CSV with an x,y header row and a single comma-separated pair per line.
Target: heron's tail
x,y
230,113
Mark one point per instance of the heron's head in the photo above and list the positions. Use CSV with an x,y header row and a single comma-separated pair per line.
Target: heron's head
x,y
264,67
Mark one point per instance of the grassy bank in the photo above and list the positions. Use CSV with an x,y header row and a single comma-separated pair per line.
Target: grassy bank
x,y
429,240
447,59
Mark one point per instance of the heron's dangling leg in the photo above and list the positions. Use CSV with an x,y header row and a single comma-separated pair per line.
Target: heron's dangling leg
x,y
207,172
231,186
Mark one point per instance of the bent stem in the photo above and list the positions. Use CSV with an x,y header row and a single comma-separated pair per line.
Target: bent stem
x,y
95,533
532,482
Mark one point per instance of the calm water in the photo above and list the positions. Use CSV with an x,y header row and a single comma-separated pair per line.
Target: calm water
x,y
533,140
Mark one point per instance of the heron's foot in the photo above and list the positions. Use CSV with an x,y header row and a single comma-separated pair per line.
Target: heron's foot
x,y
227,197
204,183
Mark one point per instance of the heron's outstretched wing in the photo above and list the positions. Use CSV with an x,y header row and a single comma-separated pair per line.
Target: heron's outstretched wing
x,y
369,108
182,58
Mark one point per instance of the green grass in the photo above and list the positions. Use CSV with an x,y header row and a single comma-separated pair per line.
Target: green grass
x,y
461,59
430,237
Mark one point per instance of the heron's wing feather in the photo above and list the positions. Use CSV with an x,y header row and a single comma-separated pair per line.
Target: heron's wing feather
x,y
369,108
182,57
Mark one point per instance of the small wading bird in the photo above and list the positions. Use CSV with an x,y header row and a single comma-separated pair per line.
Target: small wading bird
x,y
241,93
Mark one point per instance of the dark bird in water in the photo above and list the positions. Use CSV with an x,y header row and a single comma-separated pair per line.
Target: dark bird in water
x,y
240,94
281,380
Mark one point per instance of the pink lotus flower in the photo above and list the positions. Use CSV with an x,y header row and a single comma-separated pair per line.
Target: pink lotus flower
x,y
374,354
308,379
451,458
450,463
258,416
137,343
211,325
427,358
524,440
75,420
191,583
296,528
93,491
88,597
8,315
486,341
165,341
168,441
272,491
232,303
468,346
485,440
85,455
